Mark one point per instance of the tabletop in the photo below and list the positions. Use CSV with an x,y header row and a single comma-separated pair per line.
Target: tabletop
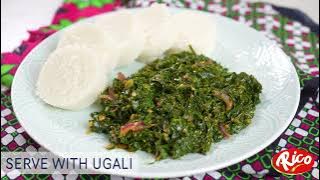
x,y
19,16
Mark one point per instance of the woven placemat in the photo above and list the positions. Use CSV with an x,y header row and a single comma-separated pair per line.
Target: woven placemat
x,y
294,38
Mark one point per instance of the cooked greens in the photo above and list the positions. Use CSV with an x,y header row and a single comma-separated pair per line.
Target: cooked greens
x,y
176,105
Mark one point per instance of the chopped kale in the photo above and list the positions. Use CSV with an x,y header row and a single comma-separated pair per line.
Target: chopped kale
x,y
176,105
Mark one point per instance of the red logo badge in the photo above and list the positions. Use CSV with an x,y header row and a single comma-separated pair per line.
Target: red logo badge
x,y
292,161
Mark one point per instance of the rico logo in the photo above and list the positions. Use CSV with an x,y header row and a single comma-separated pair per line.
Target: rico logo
x,y
292,161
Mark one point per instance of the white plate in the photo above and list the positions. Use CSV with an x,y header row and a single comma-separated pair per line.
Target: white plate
x,y
239,48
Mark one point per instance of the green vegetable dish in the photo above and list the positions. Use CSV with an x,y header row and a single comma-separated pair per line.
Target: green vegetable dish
x,y
176,105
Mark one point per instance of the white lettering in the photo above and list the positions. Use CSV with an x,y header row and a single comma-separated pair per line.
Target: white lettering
x,y
283,160
307,159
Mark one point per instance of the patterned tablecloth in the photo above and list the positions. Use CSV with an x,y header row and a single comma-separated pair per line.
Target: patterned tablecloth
x,y
295,39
